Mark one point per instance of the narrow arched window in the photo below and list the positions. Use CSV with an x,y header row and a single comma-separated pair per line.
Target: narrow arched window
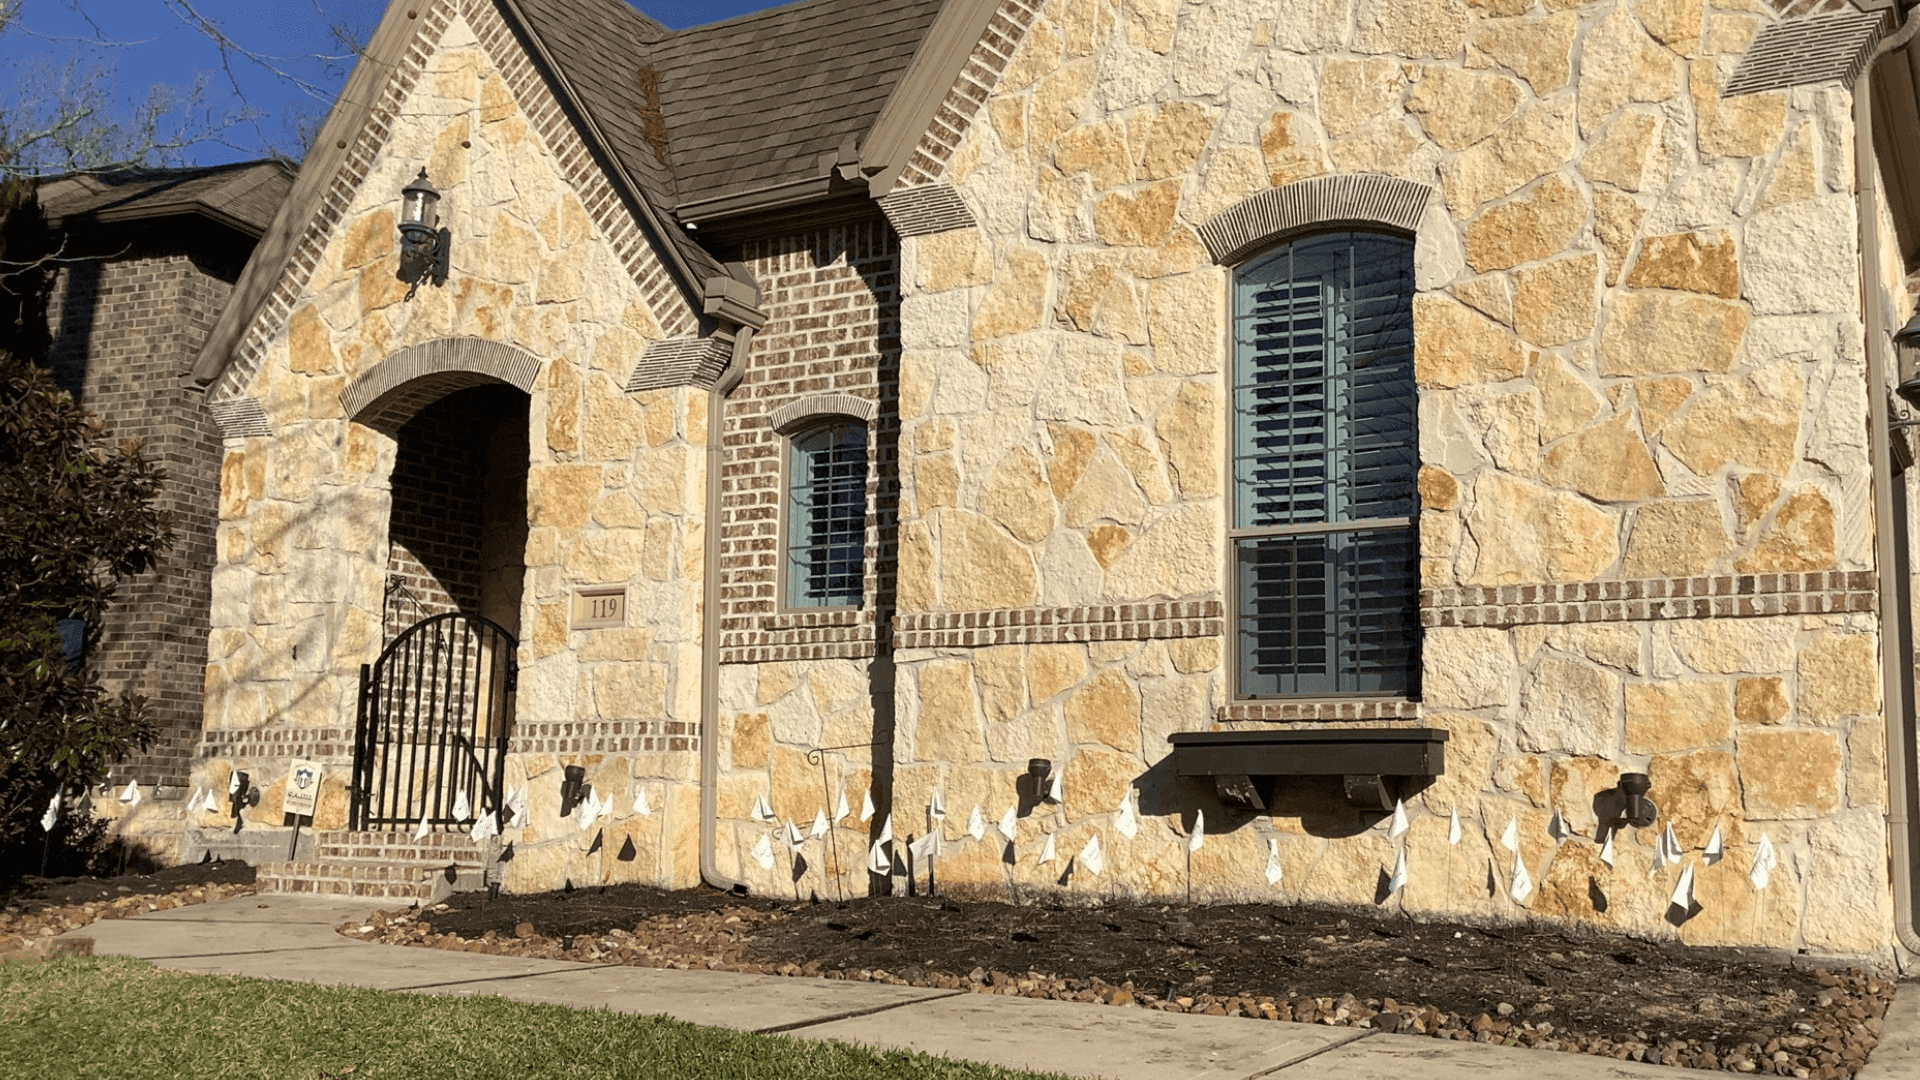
x,y
1324,460
826,516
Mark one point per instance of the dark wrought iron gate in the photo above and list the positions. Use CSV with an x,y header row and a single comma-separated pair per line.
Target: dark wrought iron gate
x,y
433,723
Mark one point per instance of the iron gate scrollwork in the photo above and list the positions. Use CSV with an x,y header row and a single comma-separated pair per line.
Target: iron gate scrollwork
x,y
433,723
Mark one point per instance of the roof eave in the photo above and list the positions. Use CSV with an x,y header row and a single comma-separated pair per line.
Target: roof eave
x,y
916,98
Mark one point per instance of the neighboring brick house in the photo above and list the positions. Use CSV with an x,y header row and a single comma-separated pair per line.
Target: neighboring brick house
x,y
144,261
1101,416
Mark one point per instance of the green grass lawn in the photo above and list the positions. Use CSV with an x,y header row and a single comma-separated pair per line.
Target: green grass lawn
x,y
114,1017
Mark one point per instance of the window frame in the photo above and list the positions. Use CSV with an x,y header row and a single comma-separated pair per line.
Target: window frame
x,y
790,436
1236,535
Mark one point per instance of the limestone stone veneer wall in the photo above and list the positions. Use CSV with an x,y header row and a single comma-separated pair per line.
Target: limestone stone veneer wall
x,y
1641,381
544,262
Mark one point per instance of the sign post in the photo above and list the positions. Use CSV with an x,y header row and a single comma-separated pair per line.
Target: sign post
x,y
302,792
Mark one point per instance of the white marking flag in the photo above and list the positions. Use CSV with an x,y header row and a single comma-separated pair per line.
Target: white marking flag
x,y
1522,886
1091,857
1198,838
1764,861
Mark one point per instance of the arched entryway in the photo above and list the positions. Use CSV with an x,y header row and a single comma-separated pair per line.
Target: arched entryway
x,y
436,708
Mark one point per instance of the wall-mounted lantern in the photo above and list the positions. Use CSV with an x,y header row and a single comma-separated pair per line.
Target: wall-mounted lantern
x,y
1906,346
423,244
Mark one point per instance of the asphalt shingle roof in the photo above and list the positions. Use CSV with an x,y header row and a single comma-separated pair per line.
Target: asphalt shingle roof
x,y
748,103
245,195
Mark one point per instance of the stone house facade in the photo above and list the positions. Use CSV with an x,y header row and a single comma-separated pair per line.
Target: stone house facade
x,y
954,403
143,261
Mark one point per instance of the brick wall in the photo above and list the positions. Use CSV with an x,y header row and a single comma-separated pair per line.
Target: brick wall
x,y
832,300
459,487
125,330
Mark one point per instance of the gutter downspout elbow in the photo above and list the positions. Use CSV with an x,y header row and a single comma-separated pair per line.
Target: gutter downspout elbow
x,y
1893,612
710,621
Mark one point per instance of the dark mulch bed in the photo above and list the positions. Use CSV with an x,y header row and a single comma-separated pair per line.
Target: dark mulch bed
x,y
1597,992
34,892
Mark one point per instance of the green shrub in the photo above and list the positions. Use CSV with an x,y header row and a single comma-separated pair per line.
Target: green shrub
x,y
77,515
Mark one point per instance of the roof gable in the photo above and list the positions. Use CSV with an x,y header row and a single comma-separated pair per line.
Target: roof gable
x,y
671,271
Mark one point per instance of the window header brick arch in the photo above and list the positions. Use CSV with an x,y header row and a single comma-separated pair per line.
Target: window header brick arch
x,y
392,391
801,411
1276,214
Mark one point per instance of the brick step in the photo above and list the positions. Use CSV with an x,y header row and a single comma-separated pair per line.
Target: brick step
x,y
437,847
377,879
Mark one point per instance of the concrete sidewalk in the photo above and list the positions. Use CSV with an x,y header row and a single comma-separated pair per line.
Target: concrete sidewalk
x,y
288,937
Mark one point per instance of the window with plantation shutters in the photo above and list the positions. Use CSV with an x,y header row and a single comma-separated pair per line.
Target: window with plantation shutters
x,y
1324,459
827,516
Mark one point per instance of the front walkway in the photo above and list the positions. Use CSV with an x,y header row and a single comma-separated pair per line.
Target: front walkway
x,y
287,937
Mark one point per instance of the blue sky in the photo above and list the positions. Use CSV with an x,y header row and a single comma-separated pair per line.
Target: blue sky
x,y
138,43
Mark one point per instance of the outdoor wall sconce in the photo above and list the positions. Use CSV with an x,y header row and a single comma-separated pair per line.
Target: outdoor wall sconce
x,y
1906,351
574,789
243,795
423,244
1639,810
1034,785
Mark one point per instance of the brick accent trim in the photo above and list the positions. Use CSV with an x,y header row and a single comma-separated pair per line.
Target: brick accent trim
x,y
1048,626
800,410
680,362
1814,49
842,634
604,736
547,118
927,209
1267,216
1319,710
240,418
1725,596
977,79
394,390
319,744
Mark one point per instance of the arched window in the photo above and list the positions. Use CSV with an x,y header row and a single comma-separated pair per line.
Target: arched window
x,y
1325,452
826,520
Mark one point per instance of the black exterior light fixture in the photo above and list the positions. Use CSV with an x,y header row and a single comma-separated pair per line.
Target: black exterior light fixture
x,y
1034,785
574,789
1906,343
243,795
1637,810
423,244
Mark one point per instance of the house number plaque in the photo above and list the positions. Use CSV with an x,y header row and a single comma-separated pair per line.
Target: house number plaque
x,y
599,607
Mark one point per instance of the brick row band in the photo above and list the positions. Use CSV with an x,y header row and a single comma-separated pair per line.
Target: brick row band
x,y
1049,626
1721,596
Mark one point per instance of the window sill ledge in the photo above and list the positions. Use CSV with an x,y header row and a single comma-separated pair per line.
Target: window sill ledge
x,y
1294,710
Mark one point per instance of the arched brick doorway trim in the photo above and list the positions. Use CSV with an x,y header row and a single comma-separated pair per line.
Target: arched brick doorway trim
x,y
397,388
